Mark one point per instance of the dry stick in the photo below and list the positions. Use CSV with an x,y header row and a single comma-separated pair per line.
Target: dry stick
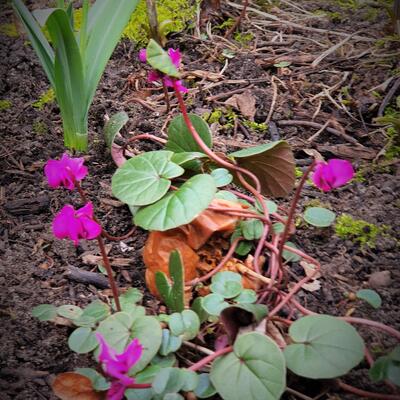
x,y
238,20
388,97
318,126
364,393
332,49
274,98
147,136
316,134
153,20
294,25
199,348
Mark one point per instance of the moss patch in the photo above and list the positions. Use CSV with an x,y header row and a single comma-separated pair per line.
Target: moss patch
x,y
5,105
46,98
9,30
39,127
358,230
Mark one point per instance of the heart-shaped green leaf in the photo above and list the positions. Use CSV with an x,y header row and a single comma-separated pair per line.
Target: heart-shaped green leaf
x,y
69,311
247,296
82,340
370,296
181,140
172,380
258,367
252,229
221,176
272,163
214,303
225,195
228,284
98,381
144,179
387,367
319,216
185,324
205,388
170,343
323,347
179,207
113,126
159,59
44,312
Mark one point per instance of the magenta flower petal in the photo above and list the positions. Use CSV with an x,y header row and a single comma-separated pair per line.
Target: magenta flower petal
x,y
106,352
65,172
175,56
142,55
153,76
116,391
132,353
170,83
333,174
76,224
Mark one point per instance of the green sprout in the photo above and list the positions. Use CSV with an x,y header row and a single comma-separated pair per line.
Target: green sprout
x,y
5,105
46,98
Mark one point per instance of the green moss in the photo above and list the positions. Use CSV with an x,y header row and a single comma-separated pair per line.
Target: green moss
x,y
173,16
358,230
213,117
243,38
39,127
298,173
5,105
9,30
332,16
256,127
46,98
360,176
228,23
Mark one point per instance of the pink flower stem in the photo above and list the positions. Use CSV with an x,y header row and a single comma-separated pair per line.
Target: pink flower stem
x,y
292,210
148,136
139,386
103,252
364,393
200,364
242,196
353,320
109,270
222,263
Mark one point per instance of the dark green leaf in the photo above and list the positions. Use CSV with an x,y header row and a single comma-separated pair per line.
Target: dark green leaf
x,y
323,347
258,367
180,207
272,163
228,284
144,179
370,296
181,140
82,340
197,307
113,126
44,312
159,59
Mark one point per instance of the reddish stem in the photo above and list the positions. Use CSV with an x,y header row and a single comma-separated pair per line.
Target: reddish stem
x,y
139,386
292,209
364,393
211,357
147,136
109,270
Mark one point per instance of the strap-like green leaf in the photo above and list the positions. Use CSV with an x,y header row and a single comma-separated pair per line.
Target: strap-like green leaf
x,y
69,80
37,38
107,20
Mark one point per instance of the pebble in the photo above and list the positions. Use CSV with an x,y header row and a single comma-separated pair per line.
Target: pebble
x,y
380,279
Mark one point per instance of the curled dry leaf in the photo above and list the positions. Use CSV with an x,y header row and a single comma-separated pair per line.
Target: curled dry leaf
x,y
186,239
73,386
245,103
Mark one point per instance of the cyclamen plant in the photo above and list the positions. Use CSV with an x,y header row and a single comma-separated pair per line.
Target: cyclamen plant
x,y
167,191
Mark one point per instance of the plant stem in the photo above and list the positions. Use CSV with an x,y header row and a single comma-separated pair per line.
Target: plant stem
x,y
293,209
166,96
211,357
364,393
109,270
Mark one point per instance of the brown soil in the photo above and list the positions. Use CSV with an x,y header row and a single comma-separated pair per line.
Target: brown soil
x,y
33,263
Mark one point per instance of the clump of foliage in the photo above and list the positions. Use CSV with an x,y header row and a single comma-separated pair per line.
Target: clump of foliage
x,y
358,230
258,127
173,16
46,98
5,105
39,127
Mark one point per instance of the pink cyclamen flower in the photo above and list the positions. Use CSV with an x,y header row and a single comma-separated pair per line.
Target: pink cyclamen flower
x,y
76,224
65,172
332,174
175,57
117,366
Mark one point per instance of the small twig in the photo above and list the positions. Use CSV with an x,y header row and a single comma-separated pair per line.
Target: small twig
x,y
388,97
238,20
274,98
199,348
298,394
364,393
316,134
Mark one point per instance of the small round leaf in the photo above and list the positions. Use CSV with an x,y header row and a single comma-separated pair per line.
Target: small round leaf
x,y
185,324
228,284
214,303
69,311
44,312
222,177
370,296
319,216
82,340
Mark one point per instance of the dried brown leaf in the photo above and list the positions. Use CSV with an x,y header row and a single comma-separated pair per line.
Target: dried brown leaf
x,y
244,102
73,386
